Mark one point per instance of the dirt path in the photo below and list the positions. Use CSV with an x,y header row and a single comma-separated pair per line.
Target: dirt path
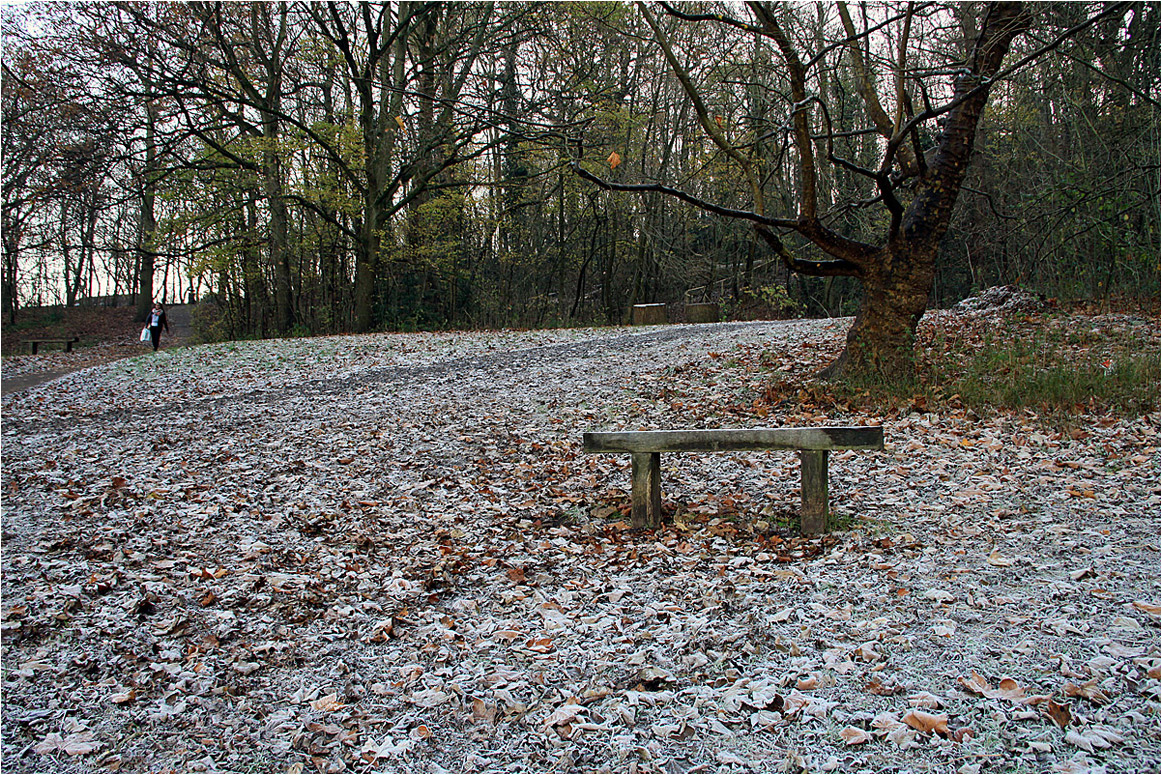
x,y
30,371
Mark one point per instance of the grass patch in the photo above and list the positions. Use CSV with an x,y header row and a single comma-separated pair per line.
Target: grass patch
x,y
1053,366
1037,374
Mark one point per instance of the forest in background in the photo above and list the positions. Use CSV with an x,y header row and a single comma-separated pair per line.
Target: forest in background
x,y
329,167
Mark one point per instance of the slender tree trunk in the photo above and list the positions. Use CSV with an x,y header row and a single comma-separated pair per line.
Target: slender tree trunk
x,y
147,235
279,249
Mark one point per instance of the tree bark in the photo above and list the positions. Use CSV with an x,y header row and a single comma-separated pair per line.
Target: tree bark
x,y
147,236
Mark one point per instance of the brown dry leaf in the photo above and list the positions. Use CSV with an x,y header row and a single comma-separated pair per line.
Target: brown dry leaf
x,y
1089,690
1153,609
614,160
926,722
853,736
807,684
483,711
998,560
1007,690
878,687
539,645
1058,714
123,698
327,703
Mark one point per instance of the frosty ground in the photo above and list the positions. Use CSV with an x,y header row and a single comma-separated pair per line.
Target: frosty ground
x,y
388,552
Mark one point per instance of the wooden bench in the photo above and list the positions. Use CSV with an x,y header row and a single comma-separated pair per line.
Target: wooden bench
x,y
68,343
813,445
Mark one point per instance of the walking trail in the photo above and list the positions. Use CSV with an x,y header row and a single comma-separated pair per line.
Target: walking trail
x,y
29,371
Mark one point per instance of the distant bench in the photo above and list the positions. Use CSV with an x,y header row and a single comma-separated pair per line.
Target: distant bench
x,y
813,445
68,343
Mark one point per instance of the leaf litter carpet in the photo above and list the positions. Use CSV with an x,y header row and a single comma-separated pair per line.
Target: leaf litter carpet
x,y
388,552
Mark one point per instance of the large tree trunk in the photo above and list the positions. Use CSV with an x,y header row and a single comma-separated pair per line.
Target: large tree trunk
x,y
899,279
881,342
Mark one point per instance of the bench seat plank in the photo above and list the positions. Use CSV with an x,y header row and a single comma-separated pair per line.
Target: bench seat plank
x,y
736,439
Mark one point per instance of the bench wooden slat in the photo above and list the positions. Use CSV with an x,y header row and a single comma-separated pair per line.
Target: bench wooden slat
x,y
736,439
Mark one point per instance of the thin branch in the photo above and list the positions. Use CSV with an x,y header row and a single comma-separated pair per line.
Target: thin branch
x,y
701,204
700,110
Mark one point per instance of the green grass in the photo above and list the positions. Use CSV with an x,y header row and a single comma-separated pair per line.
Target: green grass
x,y
1034,375
1050,367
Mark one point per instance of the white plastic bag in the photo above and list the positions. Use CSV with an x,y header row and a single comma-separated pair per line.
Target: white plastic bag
x,y
145,337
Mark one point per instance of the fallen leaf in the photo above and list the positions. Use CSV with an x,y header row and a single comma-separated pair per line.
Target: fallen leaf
x,y
563,715
483,711
926,722
429,698
924,700
1058,714
999,560
614,160
1093,737
372,751
75,744
1007,690
327,703
539,645
1153,609
853,736
1088,690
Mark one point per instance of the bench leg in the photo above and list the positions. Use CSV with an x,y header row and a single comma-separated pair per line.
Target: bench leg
x,y
68,347
814,491
646,491
33,346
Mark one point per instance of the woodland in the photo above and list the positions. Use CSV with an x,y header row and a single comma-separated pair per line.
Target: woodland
x,y
311,168
343,521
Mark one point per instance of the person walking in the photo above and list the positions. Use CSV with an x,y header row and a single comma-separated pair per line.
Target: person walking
x,y
156,322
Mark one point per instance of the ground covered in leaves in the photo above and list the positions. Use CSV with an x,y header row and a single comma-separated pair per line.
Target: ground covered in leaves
x,y
389,553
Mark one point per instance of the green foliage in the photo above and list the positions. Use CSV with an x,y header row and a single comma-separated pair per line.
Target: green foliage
x,y
209,323
778,299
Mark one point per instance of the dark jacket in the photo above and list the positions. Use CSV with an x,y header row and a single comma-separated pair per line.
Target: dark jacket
x,y
161,321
